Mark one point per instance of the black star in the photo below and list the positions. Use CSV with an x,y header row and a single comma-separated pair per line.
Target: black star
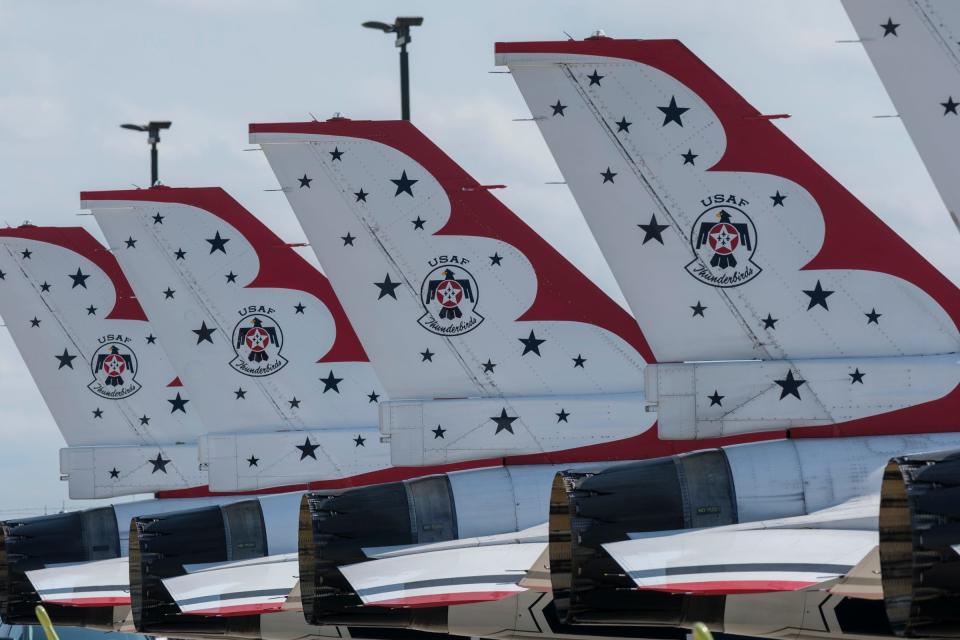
x,y
204,333
373,396
790,386
562,416
426,356
35,322
438,432
179,404
66,360
348,239
359,441
778,199
607,175
131,243
770,322
716,398
495,259
240,393
890,28
180,254
688,157
98,413
336,154
299,308
531,344
305,181
307,449
488,366
698,309
672,113
217,243
818,296
652,230
558,108
144,420
253,461
151,339
91,310
578,361
404,184
114,473
231,277
623,125
856,376
3,276
873,316
387,288
331,382
294,404
595,78
361,196
418,223
504,422
79,279
168,293
950,106
159,464
158,219
45,287
26,253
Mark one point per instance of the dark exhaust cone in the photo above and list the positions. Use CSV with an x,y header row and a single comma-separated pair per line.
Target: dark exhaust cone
x,y
919,527
590,509
334,530
34,543
161,545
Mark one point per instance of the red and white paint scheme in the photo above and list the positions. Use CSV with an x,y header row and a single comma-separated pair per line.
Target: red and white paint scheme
x,y
915,47
281,377
488,341
749,558
458,572
224,589
91,584
758,253
93,355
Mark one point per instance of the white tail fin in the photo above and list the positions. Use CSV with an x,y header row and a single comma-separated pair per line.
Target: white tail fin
x,y
453,295
728,241
248,323
915,47
280,377
95,359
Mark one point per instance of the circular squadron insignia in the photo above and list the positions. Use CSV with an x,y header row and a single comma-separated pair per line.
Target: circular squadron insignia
x,y
449,296
257,341
723,239
114,367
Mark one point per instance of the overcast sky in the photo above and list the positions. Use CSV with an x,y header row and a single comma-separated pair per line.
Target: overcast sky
x,y
70,72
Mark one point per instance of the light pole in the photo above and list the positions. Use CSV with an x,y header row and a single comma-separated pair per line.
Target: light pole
x,y
401,27
153,137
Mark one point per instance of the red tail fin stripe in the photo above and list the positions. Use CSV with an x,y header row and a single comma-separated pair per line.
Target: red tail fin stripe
x,y
280,266
854,237
563,292
79,240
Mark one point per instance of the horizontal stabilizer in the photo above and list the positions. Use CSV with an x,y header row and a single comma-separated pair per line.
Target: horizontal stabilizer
x,y
731,561
248,587
90,584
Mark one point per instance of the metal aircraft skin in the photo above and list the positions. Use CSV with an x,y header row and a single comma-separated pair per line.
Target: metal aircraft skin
x,y
915,47
825,324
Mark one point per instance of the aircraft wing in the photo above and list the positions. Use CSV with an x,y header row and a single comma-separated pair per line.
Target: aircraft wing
x,y
248,587
446,576
89,584
733,560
